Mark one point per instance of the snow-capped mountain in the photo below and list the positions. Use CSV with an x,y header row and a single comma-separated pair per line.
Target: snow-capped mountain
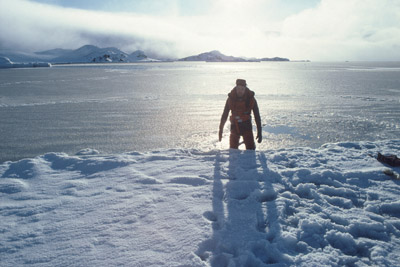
x,y
216,56
84,54
139,55
94,54
91,53
213,56
274,59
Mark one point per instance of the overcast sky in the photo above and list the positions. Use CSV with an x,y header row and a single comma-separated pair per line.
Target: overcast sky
x,y
297,29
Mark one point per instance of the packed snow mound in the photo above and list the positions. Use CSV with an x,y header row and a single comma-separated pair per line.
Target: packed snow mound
x,y
332,206
7,63
88,151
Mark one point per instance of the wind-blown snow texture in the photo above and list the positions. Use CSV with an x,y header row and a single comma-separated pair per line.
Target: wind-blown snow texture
x,y
298,206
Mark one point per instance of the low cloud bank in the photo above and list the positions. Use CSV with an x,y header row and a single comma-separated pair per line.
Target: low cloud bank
x,y
333,30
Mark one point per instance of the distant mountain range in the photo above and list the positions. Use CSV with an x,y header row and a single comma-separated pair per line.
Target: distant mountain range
x,y
216,56
84,54
94,54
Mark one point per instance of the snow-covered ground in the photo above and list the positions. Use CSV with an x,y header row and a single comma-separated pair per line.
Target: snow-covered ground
x,y
296,206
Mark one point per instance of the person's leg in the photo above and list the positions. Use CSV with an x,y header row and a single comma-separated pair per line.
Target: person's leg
x,y
249,140
234,140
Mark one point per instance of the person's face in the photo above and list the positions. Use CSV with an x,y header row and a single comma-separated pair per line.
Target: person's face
x,y
240,90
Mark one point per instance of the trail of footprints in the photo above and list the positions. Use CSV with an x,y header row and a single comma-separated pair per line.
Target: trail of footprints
x,y
240,192
282,203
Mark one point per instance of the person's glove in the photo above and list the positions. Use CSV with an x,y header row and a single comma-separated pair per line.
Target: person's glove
x,y
259,137
220,134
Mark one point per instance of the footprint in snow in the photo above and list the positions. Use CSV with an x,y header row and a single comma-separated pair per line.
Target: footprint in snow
x,y
12,186
209,215
212,217
266,196
193,181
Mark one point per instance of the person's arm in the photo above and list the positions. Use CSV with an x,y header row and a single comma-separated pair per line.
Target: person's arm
x,y
257,118
224,117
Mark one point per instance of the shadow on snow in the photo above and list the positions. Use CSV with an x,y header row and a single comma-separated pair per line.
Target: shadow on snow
x,y
245,217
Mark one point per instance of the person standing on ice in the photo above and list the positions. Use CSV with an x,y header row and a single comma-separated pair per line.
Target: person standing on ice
x,y
241,102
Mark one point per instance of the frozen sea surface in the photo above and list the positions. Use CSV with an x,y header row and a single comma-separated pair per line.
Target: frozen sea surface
x,y
144,107
331,206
